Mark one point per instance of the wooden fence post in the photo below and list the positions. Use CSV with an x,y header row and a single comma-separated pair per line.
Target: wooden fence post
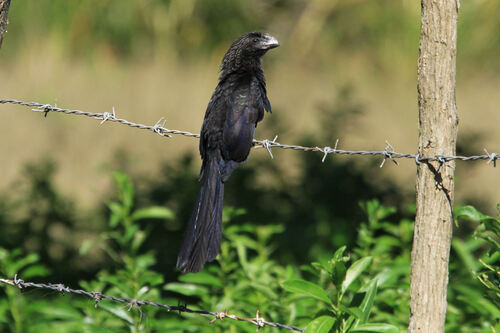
x,y
4,12
438,122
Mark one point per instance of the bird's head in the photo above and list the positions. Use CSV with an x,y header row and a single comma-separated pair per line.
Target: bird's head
x,y
257,42
248,49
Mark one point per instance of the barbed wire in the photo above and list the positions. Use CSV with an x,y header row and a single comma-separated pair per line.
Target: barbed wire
x,y
388,153
258,321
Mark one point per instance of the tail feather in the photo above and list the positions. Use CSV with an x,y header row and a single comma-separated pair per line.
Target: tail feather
x,y
204,231
214,228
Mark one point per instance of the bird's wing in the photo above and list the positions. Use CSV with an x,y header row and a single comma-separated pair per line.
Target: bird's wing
x,y
243,110
213,124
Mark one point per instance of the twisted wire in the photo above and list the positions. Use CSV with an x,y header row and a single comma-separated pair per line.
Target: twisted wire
x,y
98,296
388,153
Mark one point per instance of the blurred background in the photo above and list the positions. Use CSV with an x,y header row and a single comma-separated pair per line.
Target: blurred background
x,y
345,69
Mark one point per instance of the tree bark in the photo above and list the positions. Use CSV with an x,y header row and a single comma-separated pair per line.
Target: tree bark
x,y
4,12
438,123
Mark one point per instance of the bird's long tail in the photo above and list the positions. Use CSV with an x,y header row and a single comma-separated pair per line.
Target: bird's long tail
x,y
204,231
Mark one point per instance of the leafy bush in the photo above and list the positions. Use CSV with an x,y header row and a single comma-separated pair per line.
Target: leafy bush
x,y
365,289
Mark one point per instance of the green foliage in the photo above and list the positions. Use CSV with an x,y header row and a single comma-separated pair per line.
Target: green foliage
x,y
350,285
365,289
15,311
486,269
37,217
139,28
133,276
246,279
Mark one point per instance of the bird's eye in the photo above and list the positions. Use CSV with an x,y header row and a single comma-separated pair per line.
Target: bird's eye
x,y
255,40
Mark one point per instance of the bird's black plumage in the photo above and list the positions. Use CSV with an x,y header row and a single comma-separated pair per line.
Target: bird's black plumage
x,y
236,106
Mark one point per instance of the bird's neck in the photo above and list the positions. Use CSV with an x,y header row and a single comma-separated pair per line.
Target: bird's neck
x,y
244,70
241,65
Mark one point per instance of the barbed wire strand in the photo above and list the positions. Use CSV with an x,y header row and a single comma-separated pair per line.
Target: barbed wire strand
x,y
388,153
258,321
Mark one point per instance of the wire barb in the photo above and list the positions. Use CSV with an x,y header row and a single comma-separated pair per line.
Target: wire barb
x,y
107,115
220,315
417,159
97,297
261,322
326,150
18,283
159,127
387,153
493,157
267,144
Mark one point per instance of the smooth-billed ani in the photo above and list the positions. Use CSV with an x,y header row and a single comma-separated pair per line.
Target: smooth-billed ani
x,y
236,106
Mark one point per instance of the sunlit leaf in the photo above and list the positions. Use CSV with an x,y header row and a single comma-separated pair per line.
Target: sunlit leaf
x,y
302,287
153,212
354,271
125,189
380,328
367,303
19,264
321,324
35,270
321,266
201,278
60,312
119,312
468,212
186,289
117,213
354,312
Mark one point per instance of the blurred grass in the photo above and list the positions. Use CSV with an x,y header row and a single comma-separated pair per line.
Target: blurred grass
x,y
152,59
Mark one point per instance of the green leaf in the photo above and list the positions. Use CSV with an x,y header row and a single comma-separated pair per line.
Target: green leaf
x,y
380,328
391,275
85,247
117,213
201,278
129,233
264,289
125,189
35,270
338,255
322,267
474,298
338,268
153,212
302,287
265,232
468,212
465,254
138,239
354,271
491,224
375,211
144,261
151,279
60,312
338,273
186,289
119,311
321,324
242,252
18,265
354,312
367,303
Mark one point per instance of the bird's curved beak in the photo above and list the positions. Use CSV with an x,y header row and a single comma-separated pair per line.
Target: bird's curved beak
x,y
269,42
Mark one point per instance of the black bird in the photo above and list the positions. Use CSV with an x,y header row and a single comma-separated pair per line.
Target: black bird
x,y
236,106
